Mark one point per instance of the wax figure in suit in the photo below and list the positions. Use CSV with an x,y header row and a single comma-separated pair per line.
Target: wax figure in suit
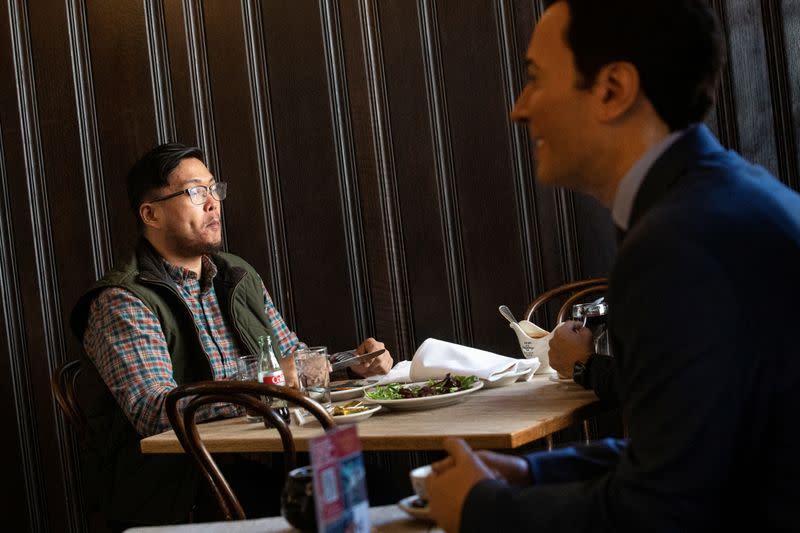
x,y
706,367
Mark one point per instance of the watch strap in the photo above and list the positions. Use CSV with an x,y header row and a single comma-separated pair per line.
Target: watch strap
x,y
581,372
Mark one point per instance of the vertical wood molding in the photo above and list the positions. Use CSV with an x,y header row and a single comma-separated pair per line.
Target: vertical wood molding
x,y
748,62
200,84
264,128
387,177
346,166
448,198
93,179
727,125
201,89
780,89
568,234
538,8
11,300
99,231
34,176
159,70
520,150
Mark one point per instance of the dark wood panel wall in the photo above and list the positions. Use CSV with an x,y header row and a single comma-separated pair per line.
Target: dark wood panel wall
x,y
376,181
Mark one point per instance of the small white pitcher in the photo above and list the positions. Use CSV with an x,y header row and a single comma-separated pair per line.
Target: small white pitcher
x,y
534,342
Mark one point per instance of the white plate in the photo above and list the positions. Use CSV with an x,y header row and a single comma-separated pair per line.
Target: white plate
x,y
357,417
420,513
355,392
302,417
507,379
426,402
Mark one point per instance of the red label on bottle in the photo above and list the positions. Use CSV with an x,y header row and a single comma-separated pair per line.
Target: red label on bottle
x,y
274,378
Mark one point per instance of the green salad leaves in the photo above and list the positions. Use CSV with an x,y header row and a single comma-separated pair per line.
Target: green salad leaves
x,y
399,391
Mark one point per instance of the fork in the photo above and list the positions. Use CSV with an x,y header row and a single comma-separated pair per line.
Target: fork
x,y
349,358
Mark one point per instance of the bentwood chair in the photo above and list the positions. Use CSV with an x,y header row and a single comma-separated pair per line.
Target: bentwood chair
x,y
63,384
572,292
242,393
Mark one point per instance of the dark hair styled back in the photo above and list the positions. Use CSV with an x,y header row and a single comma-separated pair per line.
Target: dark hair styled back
x,y
151,171
677,46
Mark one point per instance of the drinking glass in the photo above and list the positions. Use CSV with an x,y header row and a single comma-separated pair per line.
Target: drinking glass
x,y
602,343
313,371
248,371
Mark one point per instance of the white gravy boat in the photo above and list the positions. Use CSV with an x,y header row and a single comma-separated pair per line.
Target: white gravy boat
x,y
534,342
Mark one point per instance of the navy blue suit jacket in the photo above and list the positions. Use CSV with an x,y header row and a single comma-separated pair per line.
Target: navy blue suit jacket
x,y
702,298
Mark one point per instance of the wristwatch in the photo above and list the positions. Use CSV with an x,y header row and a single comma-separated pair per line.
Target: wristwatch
x,y
580,372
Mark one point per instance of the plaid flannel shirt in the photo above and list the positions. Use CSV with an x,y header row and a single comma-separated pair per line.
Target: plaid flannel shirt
x,y
125,342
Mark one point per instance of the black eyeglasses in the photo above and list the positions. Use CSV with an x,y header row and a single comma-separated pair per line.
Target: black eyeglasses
x,y
199,193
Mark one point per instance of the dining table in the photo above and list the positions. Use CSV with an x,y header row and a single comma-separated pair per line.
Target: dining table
x,y
383,519
501,418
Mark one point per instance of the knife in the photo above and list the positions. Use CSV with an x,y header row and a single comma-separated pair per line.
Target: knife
x,y
341,360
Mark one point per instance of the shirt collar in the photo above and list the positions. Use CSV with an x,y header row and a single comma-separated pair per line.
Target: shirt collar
x,y
630,184
181,275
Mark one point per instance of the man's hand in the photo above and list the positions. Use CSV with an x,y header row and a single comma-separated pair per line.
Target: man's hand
x,y
514,470
571,342
380,365
450,482
289,371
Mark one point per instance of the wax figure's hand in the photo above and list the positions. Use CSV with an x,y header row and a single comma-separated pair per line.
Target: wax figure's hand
x,y
514,470
571,342
380,365
451,481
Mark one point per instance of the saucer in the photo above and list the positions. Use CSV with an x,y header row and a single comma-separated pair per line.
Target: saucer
x,y
356,417
301,417
420,513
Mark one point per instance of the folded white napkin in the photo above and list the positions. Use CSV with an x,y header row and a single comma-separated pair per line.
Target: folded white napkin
x,y
435,358
400,373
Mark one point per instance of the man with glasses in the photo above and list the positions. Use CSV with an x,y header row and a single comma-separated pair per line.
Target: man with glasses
x,y
179,311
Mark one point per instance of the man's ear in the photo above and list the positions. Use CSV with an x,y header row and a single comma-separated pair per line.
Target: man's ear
x,y
150,215
616,91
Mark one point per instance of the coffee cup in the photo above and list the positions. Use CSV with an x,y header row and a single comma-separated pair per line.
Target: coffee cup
x,y
418,478
297,499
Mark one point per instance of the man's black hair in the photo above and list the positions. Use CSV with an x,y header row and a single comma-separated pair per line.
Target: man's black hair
x,y
152,170
677,46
